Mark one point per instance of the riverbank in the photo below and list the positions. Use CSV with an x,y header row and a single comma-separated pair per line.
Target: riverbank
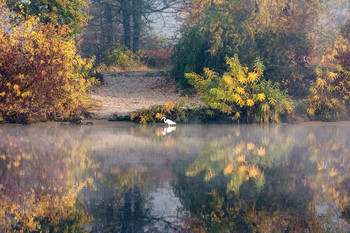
x,y
120,94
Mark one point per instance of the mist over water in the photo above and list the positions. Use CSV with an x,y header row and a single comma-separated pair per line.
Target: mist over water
x,y
123,177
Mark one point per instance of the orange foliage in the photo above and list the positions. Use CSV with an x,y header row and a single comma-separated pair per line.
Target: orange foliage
x,y
41,75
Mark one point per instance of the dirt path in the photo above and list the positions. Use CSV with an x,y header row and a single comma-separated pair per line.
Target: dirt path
x,y
123,93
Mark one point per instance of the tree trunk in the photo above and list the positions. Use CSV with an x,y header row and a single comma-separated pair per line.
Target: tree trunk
x,y
136,16
126,12
109,26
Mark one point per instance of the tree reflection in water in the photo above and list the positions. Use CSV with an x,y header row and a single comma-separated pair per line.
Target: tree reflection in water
x,y
122,201
270,179
41,173
204,178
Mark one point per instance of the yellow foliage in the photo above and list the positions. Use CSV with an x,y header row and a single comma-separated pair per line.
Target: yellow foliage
x,y
333,172
209,175
228,80
193,8
253,77
160,115
240,91
321,83
241,158
261,97
243,169
261,151
250,146
39,88
236,116
250,102
228,169
254,171
330,93
169,107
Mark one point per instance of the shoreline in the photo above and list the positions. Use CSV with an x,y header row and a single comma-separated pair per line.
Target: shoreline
x,y
97,122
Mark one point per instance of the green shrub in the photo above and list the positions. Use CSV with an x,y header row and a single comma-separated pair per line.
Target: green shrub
x,y
241,94
250,29
121,56
157,112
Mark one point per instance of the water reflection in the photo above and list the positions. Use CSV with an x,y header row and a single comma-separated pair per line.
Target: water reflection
x,y
120,177
41,172
168,130
267,180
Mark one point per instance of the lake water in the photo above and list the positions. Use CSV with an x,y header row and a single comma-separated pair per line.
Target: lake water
x,y
123,177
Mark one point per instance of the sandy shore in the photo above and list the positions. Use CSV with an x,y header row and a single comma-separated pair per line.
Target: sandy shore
x,y
123,93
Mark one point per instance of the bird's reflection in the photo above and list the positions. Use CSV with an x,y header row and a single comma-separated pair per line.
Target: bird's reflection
x,y
168,130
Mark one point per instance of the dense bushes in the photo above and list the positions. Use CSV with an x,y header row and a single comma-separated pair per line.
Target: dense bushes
x,y
159,58
276,31
241,94
236,96
290,41
157,112
122,57
180,113
41,74
329,97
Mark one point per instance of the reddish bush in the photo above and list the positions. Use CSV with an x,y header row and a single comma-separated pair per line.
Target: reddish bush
x,y
160,57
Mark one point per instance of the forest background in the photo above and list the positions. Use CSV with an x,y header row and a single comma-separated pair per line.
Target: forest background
x,y
252,61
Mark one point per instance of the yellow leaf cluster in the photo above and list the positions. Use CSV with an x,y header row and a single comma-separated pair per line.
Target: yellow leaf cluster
x,y
330,93
45,77
239,90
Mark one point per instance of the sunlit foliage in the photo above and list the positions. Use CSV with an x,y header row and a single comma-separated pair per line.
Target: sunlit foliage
x,y
41,74
241,93
330,93
276,31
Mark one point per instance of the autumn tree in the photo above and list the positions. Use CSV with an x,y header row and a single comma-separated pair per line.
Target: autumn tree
x,y
41,74
276,31
72,12
330,93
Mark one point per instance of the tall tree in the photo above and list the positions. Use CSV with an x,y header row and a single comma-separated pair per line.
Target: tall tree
x,y
122,21
69,12
126,9
276,31
137,17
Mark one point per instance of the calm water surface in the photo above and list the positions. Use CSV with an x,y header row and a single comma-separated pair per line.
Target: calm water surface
x,y
122,177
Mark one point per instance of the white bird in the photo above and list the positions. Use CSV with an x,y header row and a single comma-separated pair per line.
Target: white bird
x,y
169,122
